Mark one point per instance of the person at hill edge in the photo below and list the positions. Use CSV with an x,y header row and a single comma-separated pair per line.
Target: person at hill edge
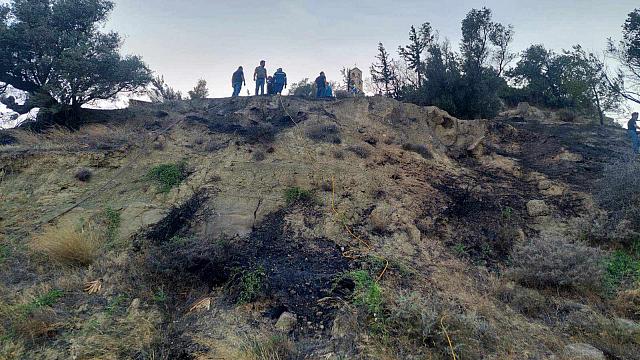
x,y
632,126
237,80
279,81
260,77
270,85
321,85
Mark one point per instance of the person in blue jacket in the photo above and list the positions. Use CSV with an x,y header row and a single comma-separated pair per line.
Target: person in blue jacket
x,y
279,81
632,128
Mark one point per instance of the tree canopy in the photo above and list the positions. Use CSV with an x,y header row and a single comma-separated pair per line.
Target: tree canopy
x,y
55,49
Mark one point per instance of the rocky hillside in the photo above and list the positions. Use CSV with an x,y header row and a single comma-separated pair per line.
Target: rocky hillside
x,y
282,228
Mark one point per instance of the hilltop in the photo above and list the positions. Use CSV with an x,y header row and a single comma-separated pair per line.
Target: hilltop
x,y
285,228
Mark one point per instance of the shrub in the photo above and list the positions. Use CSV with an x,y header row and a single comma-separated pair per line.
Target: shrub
x,y
627,303
567,115
418,148
324,133
69,245
167,176
294,195
556,262
361,151
614,192
47,299
83,175
622,269
251,285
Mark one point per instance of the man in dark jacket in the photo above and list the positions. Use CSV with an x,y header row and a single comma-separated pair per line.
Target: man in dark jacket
x,y
237,80
321,85
279,81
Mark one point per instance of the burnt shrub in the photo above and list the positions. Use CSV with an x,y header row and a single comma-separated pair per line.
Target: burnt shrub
x,y
83,175
328,133
419,149
7,139
550,261
359,150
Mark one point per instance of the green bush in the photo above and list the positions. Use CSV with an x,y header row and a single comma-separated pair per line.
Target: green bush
x,y
622,268
251,285
367,292
295,194
167,176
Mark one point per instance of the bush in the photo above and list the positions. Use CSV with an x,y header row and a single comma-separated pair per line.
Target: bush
x,y
567,115
622,269
418,148
167,176
83,175
556,262
112,220
361,151
68,245
324,133
615,193
251,285
295,194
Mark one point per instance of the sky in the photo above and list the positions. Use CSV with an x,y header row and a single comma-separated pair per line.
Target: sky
x,y
188,40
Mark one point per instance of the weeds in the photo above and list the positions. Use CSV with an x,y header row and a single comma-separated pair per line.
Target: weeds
x,y
167,176
4,252
251,285
622,268
294,195
361,151
324,133
112,220
115,304
46,300
160,296
68,245
367,292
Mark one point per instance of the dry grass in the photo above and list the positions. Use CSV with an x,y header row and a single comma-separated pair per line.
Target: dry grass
x,y
131,336
69,245
274,348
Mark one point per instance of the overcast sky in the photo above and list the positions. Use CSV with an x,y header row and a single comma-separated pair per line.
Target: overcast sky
x,y
187,40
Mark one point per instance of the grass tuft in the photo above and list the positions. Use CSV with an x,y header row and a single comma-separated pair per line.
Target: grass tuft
x,y
251,285
168,176
68,245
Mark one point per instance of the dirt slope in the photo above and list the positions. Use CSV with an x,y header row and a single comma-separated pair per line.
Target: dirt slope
x,y
381,230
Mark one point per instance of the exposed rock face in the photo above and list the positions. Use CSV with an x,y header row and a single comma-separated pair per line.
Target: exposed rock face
x,y
583,352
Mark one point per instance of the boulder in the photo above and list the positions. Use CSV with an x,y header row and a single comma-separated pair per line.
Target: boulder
x,y
537,208
583,352
286,322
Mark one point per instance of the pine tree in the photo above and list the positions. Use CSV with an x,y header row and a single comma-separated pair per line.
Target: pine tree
x,y
419,41
382,72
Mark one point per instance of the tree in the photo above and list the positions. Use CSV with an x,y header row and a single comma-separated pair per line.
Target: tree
x,y
419,41
626,81
482,83
303,88
166,92
53,50
502,37
382,73
200,91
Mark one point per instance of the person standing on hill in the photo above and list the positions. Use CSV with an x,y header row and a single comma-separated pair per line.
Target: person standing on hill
x,y
321,85
260,77
632,126
237,80
279,81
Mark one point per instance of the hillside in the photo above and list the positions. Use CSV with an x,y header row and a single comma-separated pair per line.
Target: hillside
x,y
283,228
